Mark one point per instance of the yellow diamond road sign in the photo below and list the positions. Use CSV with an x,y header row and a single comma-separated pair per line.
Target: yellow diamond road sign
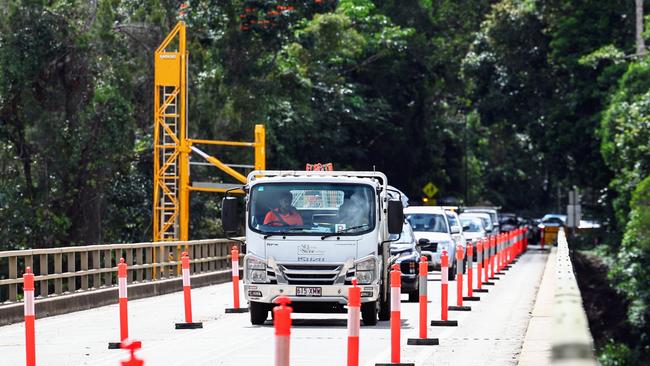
x,y
430,190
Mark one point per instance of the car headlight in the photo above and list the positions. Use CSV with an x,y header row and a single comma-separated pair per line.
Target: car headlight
x,y
256,270
366,271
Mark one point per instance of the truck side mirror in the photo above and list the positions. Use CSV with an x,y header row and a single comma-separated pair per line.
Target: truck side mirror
x,y
229,215
395,217
455,229
423,242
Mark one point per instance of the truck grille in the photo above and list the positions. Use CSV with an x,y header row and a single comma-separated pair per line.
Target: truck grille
x,y
310,275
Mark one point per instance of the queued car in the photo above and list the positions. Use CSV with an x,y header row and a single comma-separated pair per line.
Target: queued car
x,y
434,235
405,252
485,219
552,220
474,228
508,222
492,211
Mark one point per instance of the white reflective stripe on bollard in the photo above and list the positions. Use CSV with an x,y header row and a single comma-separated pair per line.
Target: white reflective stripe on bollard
x,y
235,268
395,300
422,285
29,303
186,277
354,321
282,350
445,275
122,287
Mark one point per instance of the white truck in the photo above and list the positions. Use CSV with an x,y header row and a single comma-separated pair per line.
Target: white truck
x,y
334,227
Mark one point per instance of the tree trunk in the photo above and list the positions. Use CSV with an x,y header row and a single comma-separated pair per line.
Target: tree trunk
x,y
640,44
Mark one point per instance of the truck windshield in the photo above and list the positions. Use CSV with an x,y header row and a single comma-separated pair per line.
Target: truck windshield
x,y
312,208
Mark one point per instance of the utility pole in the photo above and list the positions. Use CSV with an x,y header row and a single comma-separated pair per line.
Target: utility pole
x,y
640,43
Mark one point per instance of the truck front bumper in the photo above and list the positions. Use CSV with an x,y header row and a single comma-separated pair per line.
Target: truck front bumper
x,y
266,293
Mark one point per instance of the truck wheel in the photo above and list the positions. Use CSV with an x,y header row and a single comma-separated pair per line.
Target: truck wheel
x,y
369,313
259,312
384,308
414,296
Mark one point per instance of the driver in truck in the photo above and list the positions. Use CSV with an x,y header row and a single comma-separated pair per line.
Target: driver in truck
x,y
284,214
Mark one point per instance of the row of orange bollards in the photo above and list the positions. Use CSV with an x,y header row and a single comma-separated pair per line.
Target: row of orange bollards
x,y
494,255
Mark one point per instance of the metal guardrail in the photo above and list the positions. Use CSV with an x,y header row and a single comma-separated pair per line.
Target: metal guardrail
x,y
68,270
571,340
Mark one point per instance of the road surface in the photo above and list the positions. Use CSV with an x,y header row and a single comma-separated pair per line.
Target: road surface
x,y
491,334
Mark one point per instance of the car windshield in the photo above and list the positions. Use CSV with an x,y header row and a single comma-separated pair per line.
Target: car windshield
x,y
428,222
471,225
311,208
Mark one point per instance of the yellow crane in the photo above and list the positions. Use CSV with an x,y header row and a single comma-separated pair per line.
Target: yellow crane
x,y
172,146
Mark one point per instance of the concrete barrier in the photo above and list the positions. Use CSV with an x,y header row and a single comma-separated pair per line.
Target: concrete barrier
x,y
571,340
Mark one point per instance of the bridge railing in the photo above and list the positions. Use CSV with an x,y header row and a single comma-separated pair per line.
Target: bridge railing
x,y
571,340
60,271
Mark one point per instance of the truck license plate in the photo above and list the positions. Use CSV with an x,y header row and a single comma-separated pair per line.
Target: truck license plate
x,y
309,291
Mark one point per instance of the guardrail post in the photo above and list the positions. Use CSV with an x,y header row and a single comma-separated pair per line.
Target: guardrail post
x,y
13,274
72,285
58,269
84,267
108,263
139,273
97,280
43,270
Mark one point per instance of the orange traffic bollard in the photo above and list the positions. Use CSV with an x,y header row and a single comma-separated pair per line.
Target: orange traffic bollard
x,y
187,287
234,254
487,249
422,287
459,281
123,299
282,324
395,313
354,320
395,317
470,274
132,346
30,317
480,254
444,286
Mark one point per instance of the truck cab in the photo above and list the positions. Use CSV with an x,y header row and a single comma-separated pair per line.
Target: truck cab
x,y
308,234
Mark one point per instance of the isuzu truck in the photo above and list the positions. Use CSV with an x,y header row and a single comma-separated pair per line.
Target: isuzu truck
x,y
309,233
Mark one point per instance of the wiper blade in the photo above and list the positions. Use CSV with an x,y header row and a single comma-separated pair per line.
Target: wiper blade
x,y
284,232
342,231
273,234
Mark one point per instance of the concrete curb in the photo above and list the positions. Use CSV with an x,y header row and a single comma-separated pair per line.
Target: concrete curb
x,y
69,303
536,349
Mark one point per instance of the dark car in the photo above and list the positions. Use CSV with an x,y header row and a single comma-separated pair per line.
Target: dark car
x,y
406,253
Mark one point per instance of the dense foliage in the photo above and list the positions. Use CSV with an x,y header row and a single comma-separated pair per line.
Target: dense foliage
x,y
508,102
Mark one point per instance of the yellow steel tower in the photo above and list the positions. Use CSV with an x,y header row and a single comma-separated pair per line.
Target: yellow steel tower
x,y
172,147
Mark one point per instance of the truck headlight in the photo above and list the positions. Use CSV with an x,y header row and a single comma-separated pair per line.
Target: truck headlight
x,y
256,270
366,271
258,276
364,277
